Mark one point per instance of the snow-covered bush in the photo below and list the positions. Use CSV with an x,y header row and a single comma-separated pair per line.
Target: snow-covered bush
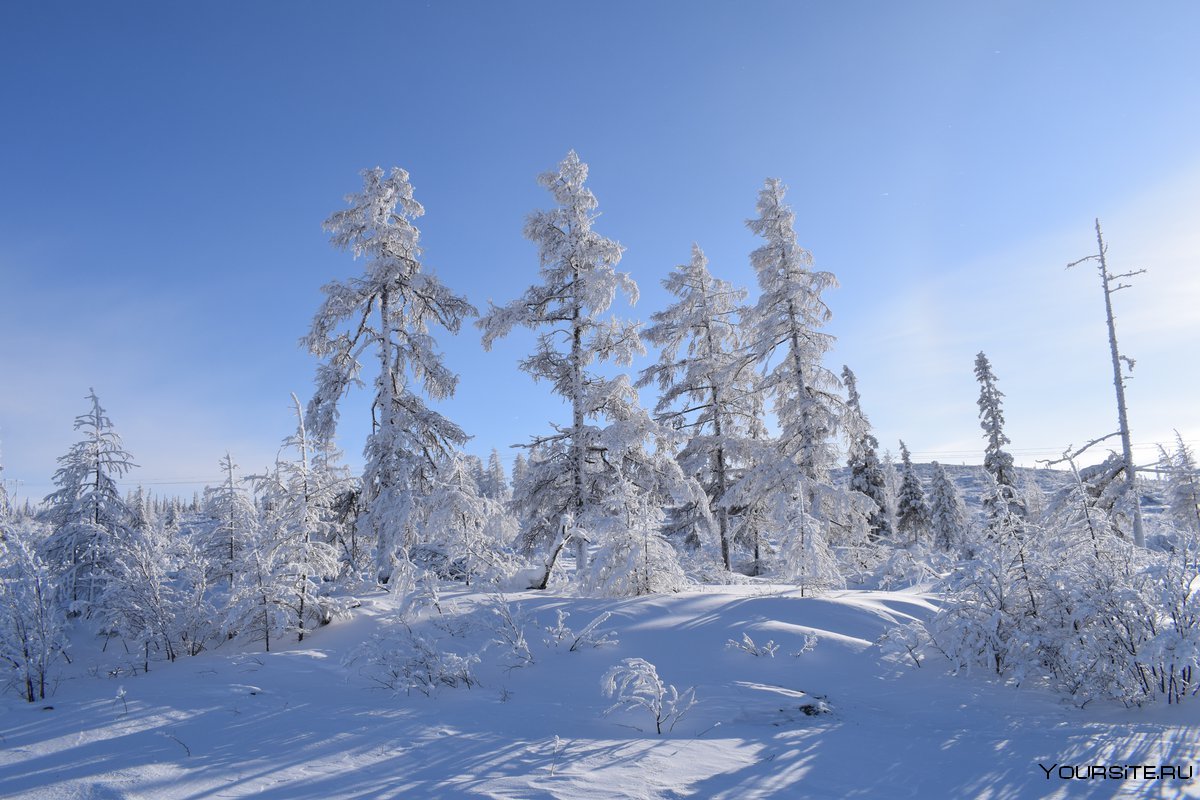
x,y
509,633
1078,608
634,684
590,635
907,641
911,566
406,660
748,645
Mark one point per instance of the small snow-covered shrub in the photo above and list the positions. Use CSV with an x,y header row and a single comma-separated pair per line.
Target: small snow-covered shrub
x,y
747,645
591,635
634,684
810,644
509,633
413,661
905,641
911,566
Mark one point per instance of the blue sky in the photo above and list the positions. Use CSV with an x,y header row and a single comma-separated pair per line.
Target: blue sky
x,y
165,169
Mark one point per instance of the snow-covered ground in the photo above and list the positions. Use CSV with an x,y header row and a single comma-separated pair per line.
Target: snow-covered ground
x,y
307,722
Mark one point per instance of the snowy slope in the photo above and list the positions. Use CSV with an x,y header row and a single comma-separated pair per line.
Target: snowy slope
x,y
301,723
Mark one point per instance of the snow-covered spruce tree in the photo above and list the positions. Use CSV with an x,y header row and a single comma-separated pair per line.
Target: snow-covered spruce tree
x,y
784,336
912,512
862,459
578,284
86,513
996,460
390,308
236,521
947,513
706,382
298,496
31,620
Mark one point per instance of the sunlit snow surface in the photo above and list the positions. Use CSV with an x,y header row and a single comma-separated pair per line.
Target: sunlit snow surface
x,y
302,723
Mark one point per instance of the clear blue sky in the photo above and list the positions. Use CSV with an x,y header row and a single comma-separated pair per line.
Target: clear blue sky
x,y
165,169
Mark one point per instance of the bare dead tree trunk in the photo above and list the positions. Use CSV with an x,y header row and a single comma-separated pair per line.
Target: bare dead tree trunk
x,y
1106,278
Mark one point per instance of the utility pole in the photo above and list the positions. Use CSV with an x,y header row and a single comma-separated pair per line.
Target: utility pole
x,y
1111,284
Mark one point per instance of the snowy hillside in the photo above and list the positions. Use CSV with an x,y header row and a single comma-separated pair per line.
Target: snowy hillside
x,y
843,719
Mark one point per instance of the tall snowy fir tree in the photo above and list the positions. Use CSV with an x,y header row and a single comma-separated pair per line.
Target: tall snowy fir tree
x,y
785,328
86,513
912,512
578,284
996,460
706,382
390,308
784,336
862,459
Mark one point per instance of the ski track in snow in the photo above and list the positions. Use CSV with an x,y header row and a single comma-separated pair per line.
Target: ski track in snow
x,y
301,723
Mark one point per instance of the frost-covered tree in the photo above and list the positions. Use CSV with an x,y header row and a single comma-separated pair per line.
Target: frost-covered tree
x,y
31,620
640,487
519,467
912,512
391,308
86,513
495,485
5,504
235,523
784,335
862,459
706,382
578,284
467,533
1182,488
257,608
805,557
140,516
947,514
297,528
150,597
996,460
